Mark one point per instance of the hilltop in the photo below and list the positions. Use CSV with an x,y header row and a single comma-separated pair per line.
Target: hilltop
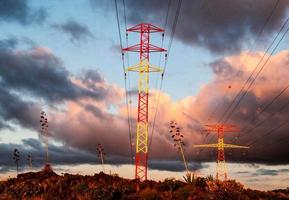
x,y
49,185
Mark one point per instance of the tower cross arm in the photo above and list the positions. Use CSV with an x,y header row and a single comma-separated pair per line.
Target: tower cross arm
x,y
232,146
145,27
139,48
206,146
222,127
141,67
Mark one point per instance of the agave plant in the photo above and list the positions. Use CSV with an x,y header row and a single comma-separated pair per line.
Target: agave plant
x,y
190,178
16,157
210,177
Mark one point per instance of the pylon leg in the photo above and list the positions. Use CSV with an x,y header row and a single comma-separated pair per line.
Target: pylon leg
x,y
221,170
141,166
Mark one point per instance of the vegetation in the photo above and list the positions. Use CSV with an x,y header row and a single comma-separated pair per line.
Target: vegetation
x,y
190,178
48,185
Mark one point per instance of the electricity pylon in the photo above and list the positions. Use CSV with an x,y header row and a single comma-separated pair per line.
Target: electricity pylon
x,y
143,68
178,142
220,129
100,154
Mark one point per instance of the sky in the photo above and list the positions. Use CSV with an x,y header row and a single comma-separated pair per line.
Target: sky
x,y
64,57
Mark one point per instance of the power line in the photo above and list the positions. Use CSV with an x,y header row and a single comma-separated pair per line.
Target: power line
x,y
126,34
270,116
279,140
124,12
166,59
252,73
262,67
268,19
128,75
158,94
266,107
173,32
284,106
278,43
125,80
216,108
247,81
268,133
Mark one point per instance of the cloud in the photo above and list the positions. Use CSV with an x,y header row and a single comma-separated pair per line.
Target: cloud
x,y
96,123
173,165
93,111
269,172
20,11
39,73
58,155
76,31
221,26
14,109
65,155
8,44
233,71
28,76
12,42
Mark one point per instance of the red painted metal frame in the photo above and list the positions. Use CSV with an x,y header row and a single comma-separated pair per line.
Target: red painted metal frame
x,y
144,48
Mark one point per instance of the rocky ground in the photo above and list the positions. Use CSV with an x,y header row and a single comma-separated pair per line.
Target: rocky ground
x,y
50,186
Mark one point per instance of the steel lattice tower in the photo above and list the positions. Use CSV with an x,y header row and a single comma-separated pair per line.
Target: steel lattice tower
x,y
143,68
220,129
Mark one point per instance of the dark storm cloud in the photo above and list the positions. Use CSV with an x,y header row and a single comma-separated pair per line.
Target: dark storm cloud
x,y
13,109
42,74
77,32
91,77
220,25
8,44
175,166
261,151
20,11
64,155
113,133
97,112
222,68
269,172
261,131
12,42
37,74
242,172
59,155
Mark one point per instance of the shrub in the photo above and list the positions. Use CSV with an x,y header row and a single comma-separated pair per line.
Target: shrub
x,y
210,178
190,178
183,193
201,182
81,187
149,194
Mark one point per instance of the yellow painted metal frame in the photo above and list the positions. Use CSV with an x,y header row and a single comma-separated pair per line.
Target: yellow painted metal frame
x,y
143,68
221,165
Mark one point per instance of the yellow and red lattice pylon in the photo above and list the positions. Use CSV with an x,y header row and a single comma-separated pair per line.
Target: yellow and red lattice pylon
x,y
220,129
143,68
